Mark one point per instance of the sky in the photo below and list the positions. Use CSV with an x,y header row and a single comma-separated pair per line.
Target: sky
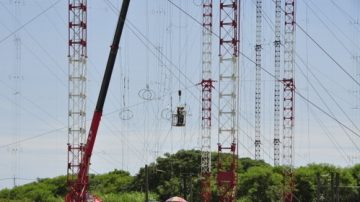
x,y
160,54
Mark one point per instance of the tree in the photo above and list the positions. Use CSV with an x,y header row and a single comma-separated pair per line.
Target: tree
x,y
179,174
260,184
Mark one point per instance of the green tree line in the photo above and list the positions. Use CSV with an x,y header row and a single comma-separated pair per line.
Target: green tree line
x,y
178,175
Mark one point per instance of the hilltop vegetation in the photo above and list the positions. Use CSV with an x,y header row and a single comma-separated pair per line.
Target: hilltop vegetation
x,y
178,174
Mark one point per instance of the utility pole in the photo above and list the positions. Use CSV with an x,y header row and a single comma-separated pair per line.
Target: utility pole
x,y
358,183
191,189
337,184
14,181
318,187
332,187
185,186
146,183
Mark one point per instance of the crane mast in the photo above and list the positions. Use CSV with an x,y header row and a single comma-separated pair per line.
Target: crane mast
x,y
277,44
289,98
228,100
258,80
207,85
79,190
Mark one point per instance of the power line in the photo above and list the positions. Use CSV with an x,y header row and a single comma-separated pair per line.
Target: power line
x,y
345,14
327,107
271,24
327,114
312,73
29,21
273,76
33,137
248,58
328,93
328,54
133,28
326,90
36,41
62,128
31,102
323,50
335,25
329,135
328,28
38,57
17,178
199,23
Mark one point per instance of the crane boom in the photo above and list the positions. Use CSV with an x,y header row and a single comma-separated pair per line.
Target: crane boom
x,y
79,191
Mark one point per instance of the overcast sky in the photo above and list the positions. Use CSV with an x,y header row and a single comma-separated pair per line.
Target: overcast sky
x,y
160,53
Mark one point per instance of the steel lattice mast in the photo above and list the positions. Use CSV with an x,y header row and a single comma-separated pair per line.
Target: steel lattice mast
x,y
289,98
77,54
277,44
207,86
258,80
16,78
228,99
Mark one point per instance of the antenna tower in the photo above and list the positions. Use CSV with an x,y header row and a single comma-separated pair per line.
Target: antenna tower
x,y
356,59
277,122
16,77
289,98
258,80
228,99
207,85
77,54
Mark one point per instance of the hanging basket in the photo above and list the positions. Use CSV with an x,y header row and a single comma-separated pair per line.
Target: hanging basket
x,y
179,118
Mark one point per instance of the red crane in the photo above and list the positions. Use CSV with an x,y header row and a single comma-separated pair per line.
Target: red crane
x,y
79,190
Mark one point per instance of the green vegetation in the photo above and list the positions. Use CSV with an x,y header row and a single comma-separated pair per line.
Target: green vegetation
x,y
178,174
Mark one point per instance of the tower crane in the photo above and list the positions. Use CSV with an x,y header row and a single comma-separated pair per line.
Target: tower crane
x,y
79,190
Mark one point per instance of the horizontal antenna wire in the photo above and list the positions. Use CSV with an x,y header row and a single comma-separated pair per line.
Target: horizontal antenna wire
x,y
29,21
270,74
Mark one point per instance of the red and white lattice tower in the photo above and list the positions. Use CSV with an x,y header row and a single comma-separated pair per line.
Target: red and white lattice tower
x,y
258,80
228,100
207,85
277,44
77,54
289,98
